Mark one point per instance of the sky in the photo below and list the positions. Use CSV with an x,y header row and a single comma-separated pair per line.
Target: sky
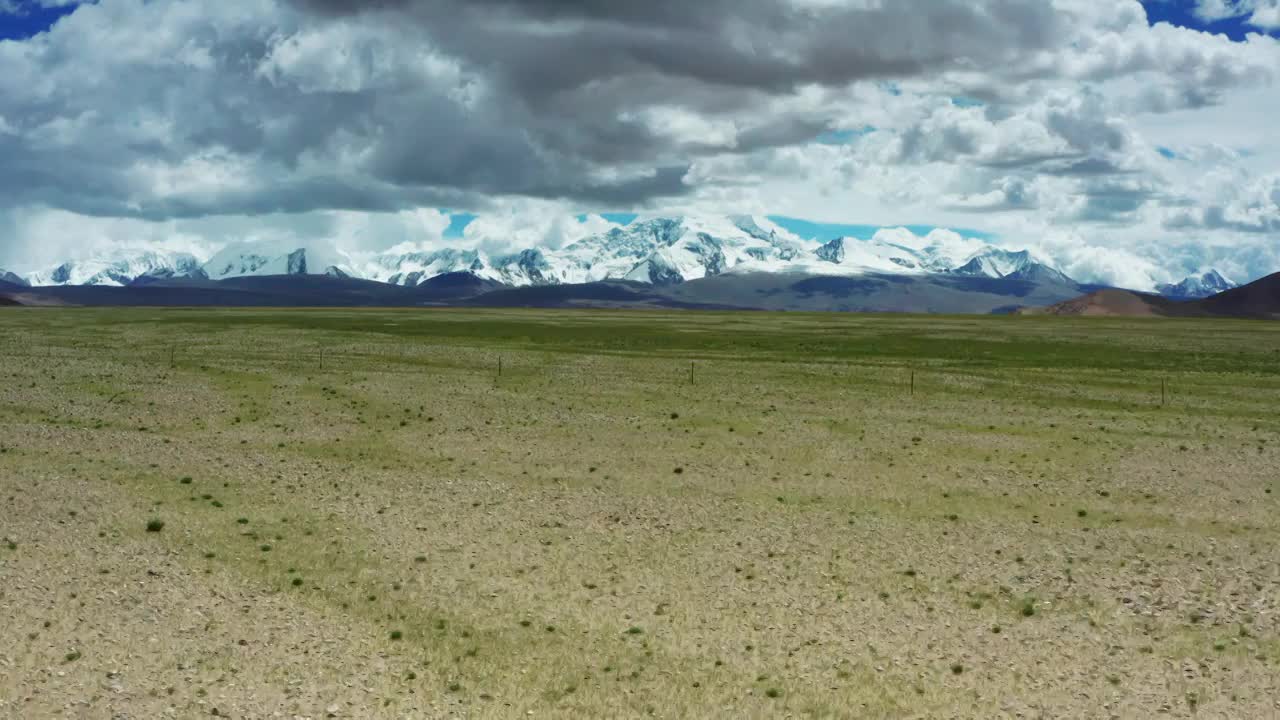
x,y
1131,142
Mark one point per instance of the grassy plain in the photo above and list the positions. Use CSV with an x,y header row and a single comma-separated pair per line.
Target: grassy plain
x,y
350,513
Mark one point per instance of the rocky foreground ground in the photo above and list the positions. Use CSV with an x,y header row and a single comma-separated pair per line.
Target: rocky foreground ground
x,y
352,514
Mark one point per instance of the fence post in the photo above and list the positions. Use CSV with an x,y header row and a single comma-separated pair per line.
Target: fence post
x,y
913,383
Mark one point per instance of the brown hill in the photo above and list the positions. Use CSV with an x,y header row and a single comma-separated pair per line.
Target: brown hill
x,y
1258,299
1112,302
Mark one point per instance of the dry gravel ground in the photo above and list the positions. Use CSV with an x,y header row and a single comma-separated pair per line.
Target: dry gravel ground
x,y
666,515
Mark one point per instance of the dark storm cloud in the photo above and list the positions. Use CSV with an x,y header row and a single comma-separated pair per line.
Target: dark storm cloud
x,y
662,182
386,138
603,56
543,47
569,82
296,105
328,104
1112,202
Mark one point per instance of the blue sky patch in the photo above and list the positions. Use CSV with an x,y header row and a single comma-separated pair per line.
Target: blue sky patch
x,y
1182,14
615,217
458,222
1166,152
31,19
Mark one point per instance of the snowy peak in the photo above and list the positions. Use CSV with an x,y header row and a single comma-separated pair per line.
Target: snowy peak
x,y
657,269
1196,287
260,259
896,252
527,267
832,252
414,268
120,268
296,262
1040,273
225,265
11,279
941,252
667,250
996,263
1017,265
764,230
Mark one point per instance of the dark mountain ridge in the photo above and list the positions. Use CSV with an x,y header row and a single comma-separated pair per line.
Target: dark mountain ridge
x,y
1047,293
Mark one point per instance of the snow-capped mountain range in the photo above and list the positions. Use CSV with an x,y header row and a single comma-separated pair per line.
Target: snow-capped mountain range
x,y
121,268
658,250
1197,286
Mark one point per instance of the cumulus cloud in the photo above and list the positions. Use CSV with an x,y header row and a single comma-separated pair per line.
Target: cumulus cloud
x,y
38,238
1252,207
1259,13
261,106
338,119
1087,261
1008,194
530,225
